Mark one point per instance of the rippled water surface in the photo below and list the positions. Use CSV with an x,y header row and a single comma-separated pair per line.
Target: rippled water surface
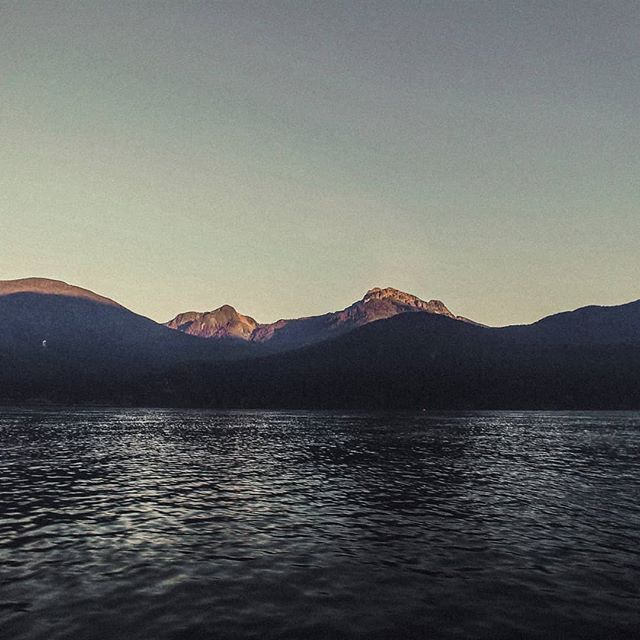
x,y
178,524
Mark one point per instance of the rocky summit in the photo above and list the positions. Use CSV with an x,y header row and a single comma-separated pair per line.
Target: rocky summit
x,y
224,322
380,303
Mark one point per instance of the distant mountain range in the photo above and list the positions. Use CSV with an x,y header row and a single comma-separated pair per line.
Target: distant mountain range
x,y
377,304
389,350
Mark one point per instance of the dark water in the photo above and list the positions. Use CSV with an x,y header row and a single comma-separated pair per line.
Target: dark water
x,y
166,524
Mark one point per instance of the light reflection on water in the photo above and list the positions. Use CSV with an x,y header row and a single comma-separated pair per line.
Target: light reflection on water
x,y
184,524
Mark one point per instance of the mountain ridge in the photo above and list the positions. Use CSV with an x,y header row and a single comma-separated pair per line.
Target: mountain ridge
x,y
377,304
64,344
422,361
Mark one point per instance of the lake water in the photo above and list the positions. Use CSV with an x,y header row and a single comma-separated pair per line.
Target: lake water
x,y
183,524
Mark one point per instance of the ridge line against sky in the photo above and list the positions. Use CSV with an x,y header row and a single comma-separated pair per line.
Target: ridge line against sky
x,y
286,157
338,306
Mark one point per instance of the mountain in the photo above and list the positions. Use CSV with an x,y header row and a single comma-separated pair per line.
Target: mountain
x,y
389,350
221,323
57,340
377,304
433,361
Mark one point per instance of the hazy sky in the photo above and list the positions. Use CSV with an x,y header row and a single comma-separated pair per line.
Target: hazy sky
x,y
284,157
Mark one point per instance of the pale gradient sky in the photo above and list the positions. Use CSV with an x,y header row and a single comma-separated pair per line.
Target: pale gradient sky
x,y
284,157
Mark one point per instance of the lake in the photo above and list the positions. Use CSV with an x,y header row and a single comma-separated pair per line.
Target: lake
x,y
166,524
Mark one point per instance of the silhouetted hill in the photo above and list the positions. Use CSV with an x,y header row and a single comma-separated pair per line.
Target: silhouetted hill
x,y
430,361
588,325
59,340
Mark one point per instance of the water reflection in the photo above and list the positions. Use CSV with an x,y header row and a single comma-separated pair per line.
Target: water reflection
x,y
170,524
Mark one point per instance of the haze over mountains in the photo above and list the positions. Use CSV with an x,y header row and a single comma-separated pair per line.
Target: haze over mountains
x,y
64,344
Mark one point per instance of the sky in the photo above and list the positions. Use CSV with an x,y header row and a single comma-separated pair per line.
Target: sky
x,y
285,157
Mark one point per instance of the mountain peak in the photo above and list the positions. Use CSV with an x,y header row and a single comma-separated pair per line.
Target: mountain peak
x,y
401,298
223,322
384,293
